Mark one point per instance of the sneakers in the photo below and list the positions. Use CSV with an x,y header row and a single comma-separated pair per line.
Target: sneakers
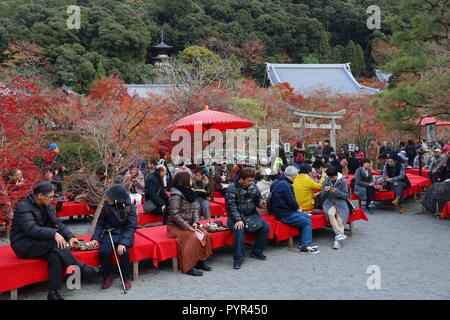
x,y
237,265
309,249
194,272
340,237
202,265
54,295
336,245
127,283
259,256
107,283
311,246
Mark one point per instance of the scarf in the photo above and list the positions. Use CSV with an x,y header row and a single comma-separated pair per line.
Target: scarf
x,y
188,193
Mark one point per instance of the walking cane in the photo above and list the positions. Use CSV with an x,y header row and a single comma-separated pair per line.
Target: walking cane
x,y
117,261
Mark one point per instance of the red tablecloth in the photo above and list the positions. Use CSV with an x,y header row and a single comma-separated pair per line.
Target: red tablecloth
x,y
417,185
15,272
416,171
283,231
73,209
218,208
147,218
164,247
446,211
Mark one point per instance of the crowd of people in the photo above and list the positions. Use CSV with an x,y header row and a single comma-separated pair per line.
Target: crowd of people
x,y
293,192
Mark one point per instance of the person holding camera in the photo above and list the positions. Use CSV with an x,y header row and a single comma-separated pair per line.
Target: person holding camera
x,y
134,182
242,198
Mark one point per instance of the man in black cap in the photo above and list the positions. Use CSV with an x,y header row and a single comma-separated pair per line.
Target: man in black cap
x,y
38,234
395,178
117,220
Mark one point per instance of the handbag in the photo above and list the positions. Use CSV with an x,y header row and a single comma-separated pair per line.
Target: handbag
x,y
149,205
253,223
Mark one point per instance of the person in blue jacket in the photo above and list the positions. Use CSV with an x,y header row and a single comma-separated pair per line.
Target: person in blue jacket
x,y
119,216
282,202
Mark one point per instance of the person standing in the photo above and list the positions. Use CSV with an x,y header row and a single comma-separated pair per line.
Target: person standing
x,y
119,218
287,210
242,198
410,152
37,233
373,152
55,166
299,154
327,148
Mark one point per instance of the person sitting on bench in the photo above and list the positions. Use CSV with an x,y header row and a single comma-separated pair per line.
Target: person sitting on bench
x,y
119,216
335,194
395,178
38,234
282,202
365,184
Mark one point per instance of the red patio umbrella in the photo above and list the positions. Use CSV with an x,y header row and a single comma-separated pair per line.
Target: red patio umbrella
x,y
429,120
210,119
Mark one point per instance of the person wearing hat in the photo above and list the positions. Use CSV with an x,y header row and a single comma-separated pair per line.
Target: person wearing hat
x,y
55,166
37,233
394,173
282,202
119,217
438,166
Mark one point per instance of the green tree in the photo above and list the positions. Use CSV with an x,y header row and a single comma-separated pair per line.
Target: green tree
x,y
100,73
421,81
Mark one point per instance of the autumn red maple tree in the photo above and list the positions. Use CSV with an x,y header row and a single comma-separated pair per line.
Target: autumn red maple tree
x,y
22,105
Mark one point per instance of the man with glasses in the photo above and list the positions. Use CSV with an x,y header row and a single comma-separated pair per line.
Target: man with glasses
x,y
38,234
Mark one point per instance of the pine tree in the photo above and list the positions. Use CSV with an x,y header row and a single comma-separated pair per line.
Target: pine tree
x,y
358,61
324,51
100,73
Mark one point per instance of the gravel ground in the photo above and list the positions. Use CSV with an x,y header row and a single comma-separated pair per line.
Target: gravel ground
x,y
411,251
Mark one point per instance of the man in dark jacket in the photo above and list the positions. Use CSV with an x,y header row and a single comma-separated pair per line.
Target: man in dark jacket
x,y
119,217
327,148
395,178
155,192
38,234
241,199
221,178
285,206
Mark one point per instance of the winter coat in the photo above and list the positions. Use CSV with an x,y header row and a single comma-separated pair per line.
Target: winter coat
x,y
282,201
362,182
33,222
202,185
337,198
304,188
241,201
154,190
182,213
114,217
